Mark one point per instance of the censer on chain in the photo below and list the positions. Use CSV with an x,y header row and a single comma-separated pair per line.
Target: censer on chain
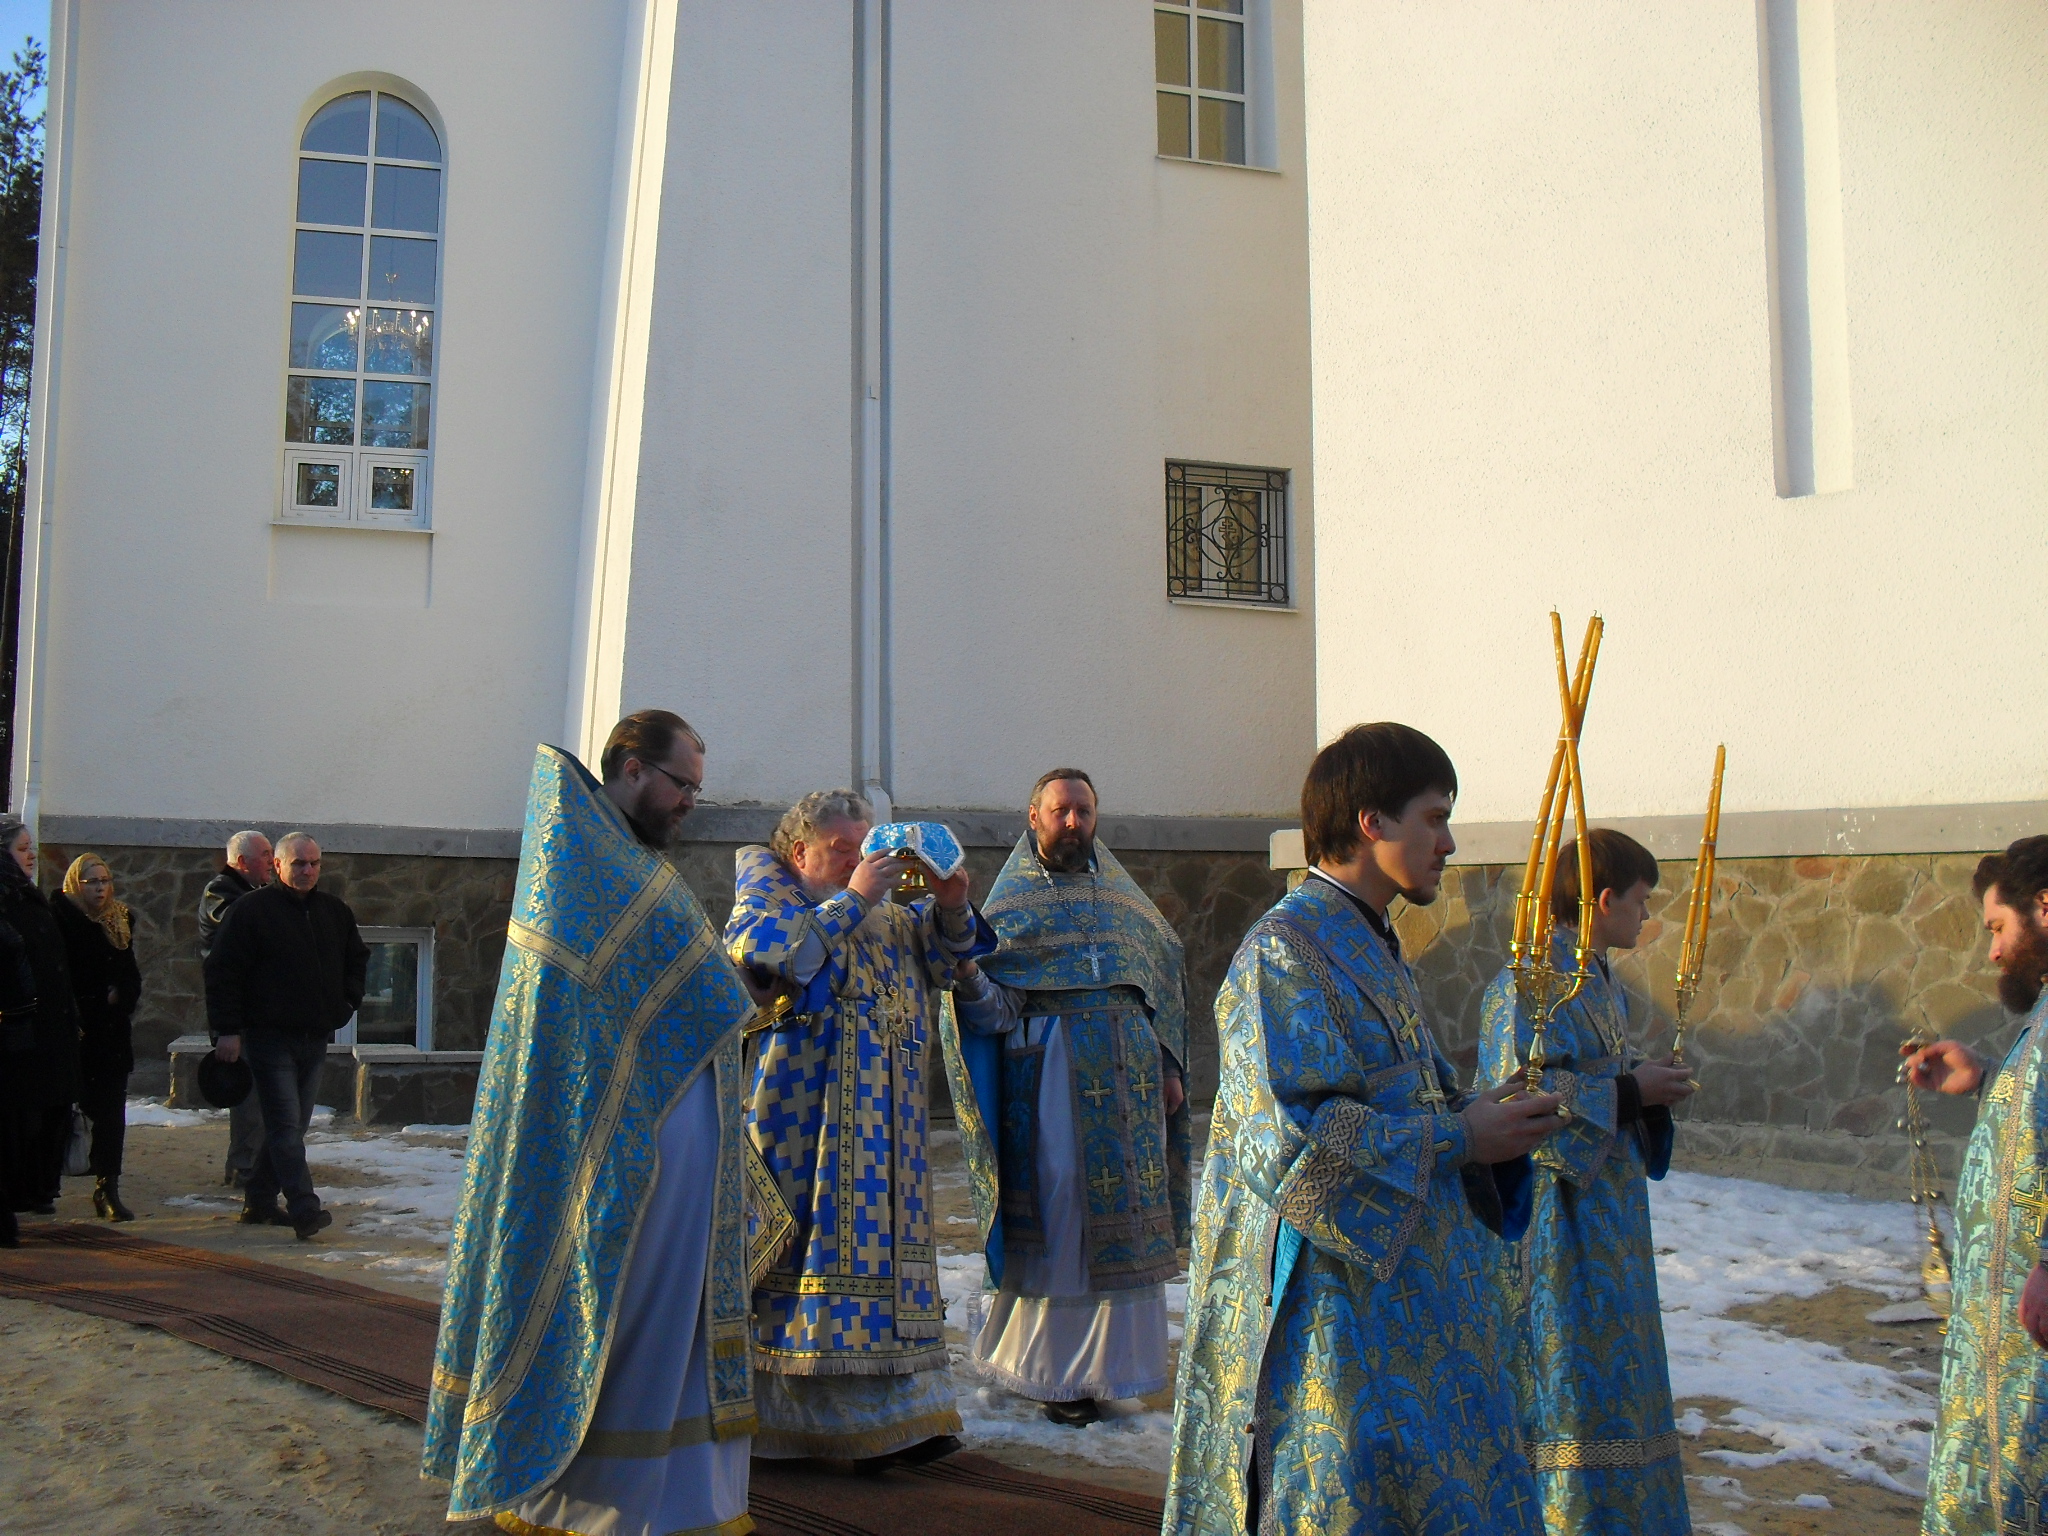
x,y
1936,1278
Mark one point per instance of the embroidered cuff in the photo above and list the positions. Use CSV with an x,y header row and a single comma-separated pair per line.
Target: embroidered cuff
x,y
1453,1143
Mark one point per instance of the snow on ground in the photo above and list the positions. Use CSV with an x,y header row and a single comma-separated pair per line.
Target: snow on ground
x,y
1722,1243
1725,1243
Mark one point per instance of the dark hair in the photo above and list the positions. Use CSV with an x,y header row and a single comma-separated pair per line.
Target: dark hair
x,y
1054,776
1619,864
2020,873
1369,768
648,735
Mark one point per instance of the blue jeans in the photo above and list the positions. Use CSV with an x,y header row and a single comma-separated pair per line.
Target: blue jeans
x,y
287,1071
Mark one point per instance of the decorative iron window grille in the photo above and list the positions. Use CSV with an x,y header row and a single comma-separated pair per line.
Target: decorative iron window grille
x,y
1226,533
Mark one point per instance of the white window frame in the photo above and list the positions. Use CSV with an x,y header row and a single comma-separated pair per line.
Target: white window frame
x,y
355,510
1256,99
423,940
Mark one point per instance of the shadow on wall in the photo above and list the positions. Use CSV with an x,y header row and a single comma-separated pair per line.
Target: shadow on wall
x,y
1816,970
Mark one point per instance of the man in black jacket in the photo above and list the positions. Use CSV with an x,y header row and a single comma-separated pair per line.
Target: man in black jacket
x,y
247,869
286,971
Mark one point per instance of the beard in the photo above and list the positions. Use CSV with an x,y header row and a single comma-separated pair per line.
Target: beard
x,y
1068,853
2021,972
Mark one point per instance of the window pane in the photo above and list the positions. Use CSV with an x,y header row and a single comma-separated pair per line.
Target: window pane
x,y
328,266
317,485
1222,131
342,127
1173,125
1222,55
391,487
320,411
402,134
407,198
1236,7
331,192
400,341
394,415
401,269
1170,47
390,1010
324,336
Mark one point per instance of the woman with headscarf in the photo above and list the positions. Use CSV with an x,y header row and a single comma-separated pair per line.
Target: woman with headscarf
x,y
49,1085
106,984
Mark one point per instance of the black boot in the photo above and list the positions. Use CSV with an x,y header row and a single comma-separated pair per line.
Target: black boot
x,y
106,1201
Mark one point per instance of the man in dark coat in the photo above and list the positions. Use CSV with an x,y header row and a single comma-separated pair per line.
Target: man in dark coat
x,y
248,868
286,971
49,1082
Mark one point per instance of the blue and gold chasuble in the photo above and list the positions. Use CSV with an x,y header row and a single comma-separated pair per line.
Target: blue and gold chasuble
x,y
1091,949
1591,1377
612,997
837,1114
1341,1370
1989,1472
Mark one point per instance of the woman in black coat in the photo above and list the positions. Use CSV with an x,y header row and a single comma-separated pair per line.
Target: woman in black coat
x,y
49,1084
18,1116
106,984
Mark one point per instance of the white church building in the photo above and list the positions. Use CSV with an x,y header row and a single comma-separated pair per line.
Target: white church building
x,y
918,393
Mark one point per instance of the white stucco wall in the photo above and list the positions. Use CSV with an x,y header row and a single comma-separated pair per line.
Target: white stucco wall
x,y
1071,311
1542,372
201,663
741,611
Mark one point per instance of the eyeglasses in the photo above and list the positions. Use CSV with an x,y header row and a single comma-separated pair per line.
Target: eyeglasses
x,y
686,786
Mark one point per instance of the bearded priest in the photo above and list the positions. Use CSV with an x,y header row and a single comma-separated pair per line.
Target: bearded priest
x,y
1087,996
1989,1471
849,1329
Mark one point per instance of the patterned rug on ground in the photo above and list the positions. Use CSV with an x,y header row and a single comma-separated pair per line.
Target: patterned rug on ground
x,y
378,1349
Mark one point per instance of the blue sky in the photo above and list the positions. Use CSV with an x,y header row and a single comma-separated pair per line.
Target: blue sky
x,y
20,19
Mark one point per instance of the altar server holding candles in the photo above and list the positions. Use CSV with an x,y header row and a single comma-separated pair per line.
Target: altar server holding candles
x,y
1592,1383
1341,1369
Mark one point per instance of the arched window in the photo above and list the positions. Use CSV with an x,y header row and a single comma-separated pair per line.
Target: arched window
x,y
366,269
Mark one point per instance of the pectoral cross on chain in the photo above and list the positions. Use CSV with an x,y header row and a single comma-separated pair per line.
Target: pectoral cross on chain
x,y
1094,954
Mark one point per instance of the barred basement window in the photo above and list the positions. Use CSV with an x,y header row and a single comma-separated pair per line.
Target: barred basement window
x,y
1226,534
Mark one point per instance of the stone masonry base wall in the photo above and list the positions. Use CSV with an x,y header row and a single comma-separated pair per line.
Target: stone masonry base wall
x,y
1816,970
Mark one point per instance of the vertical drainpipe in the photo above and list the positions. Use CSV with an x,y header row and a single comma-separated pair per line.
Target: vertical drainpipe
x,y
871,639
33,612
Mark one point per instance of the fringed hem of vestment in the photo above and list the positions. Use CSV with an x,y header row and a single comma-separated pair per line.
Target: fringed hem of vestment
x,y
784,1445
738,1525
1039,1393
908,1363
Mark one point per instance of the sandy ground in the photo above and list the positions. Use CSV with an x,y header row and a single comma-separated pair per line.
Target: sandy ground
x,y
111,1428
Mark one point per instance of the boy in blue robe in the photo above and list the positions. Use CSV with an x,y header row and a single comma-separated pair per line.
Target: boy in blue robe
x,y
1591,1378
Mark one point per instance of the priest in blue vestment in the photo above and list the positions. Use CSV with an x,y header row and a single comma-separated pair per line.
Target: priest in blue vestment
x,y
1342,1364
849,1325
592,1373
1989,1471
1071,1050
1591,1378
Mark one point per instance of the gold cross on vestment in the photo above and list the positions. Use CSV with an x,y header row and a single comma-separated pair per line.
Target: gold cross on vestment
x,y
1318,1331
2033,1200
1459,1399
1365,1201
1105,1184
1098,1089
1152,1176
1519,1503
1405,1295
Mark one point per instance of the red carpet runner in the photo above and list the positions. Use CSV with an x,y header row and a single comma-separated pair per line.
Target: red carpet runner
x,y
378,1349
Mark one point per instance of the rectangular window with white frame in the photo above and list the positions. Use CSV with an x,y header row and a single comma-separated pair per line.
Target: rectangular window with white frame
x,y
1213,80
398,991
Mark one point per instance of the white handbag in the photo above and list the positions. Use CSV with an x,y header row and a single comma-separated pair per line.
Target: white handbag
x,y
78,1151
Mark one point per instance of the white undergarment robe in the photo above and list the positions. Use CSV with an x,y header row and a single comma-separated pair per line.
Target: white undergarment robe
x,y
648,1465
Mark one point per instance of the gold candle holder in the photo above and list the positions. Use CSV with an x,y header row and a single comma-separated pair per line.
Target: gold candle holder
x,y
1699,909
